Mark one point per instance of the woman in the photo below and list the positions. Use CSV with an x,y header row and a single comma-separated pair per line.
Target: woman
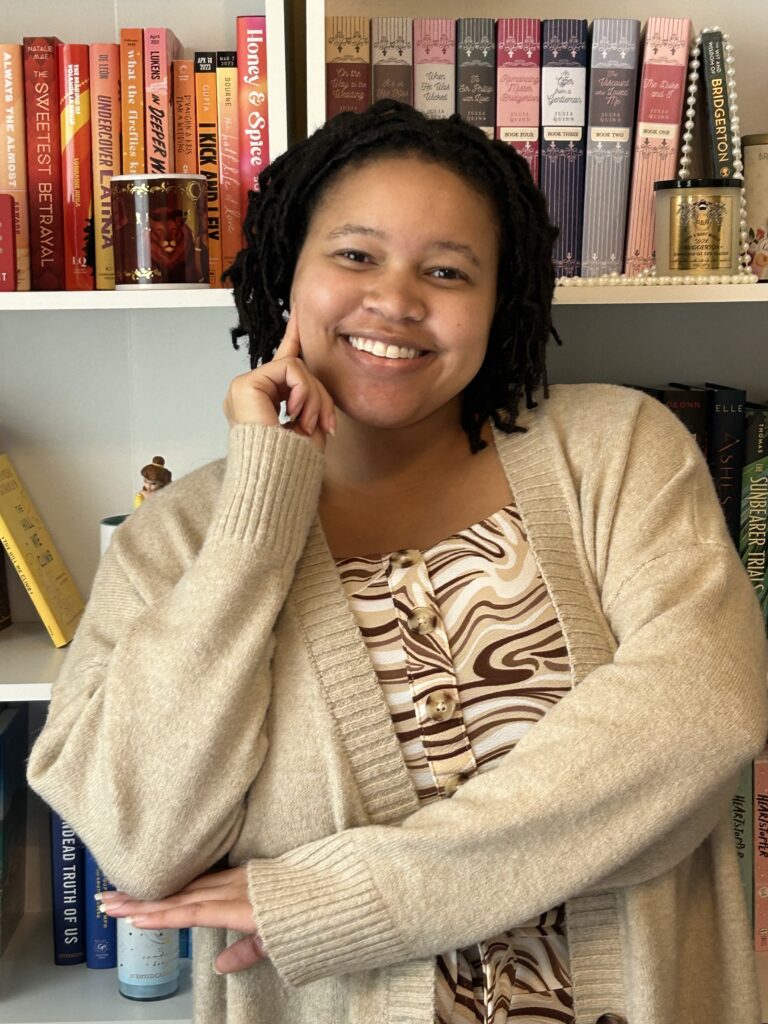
x,y
459,686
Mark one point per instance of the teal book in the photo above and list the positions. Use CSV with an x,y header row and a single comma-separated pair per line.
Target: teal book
x,y
754,502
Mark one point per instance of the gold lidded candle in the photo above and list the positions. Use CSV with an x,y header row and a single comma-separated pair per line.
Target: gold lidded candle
x,y
697,226
755,155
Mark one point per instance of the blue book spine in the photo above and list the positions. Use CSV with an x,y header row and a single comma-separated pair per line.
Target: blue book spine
x,y
100,930
184,950
67,877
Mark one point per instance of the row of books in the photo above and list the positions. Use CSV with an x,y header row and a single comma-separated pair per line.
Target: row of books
x,y
73,115
596,112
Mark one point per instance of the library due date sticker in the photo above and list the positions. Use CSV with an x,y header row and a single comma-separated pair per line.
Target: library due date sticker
x,y
161,231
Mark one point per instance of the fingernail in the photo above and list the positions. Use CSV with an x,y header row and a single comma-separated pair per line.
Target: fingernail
x,y
217,971
332,431
129,920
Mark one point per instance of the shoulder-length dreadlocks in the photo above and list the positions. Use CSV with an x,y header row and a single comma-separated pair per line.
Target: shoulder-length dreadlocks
x,y
290,188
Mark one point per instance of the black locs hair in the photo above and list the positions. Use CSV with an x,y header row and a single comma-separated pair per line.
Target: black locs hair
x,y
278,218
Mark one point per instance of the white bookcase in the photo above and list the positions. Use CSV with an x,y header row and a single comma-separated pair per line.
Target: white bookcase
x,y
93,385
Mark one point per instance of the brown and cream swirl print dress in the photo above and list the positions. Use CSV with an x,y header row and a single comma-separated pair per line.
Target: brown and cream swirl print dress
x,y
470,655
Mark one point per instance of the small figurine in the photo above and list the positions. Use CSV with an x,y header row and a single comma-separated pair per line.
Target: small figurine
x,y
155,476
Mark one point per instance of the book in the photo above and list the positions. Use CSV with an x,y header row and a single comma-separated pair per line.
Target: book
x,y
743,834
8,272
161,48
476,72
434,66
726,430
347,65
185,117
68,893
46,207
13,819
229,157
13,154
5,597
722,155
615,56
518,86
690,407
100,929
754,502
36,559
252,103
76,170
208,155
657,132
760,851
392,59
563,142
105,154
132,100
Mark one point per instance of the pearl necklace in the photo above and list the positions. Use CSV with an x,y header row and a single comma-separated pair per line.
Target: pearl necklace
x,y
648,277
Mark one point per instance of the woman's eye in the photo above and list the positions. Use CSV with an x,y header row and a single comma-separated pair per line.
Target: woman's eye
x,y
353,255
448,274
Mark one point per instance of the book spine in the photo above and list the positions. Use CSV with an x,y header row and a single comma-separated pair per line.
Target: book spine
x,y
690,407
46,216
5,597
741,816
8,274
713,72
347,65
105,153
476,72
760,852
518,86
67,870
132,100
185,117
161,48
392,59
252,103
613,87
726,431
13,154
434,66
657,132
76,175
563,143
13,819
208,155
229,157
100,930
753,546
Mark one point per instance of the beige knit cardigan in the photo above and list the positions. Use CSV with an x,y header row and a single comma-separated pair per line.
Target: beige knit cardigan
x,y
219,700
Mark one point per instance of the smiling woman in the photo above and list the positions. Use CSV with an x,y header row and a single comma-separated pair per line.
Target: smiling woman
x,y
454,673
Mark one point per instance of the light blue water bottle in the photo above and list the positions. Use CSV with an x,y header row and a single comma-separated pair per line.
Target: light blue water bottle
x,y
147,961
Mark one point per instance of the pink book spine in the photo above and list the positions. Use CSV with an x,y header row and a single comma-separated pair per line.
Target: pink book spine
x,y
161,48
229,163
657,135
434,66
518,86
252,103
761,851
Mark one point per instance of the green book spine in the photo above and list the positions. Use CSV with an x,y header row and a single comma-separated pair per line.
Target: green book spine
x,y
754,503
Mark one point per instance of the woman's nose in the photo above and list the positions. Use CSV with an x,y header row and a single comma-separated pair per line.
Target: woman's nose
x,y
395,296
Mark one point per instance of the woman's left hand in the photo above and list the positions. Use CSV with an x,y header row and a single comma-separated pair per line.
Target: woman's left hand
x,y
218,900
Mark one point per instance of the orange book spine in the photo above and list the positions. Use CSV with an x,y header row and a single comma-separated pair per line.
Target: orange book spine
x,y
105,150
253,105
13,155
76,174
185,117
229,158
208,155
161,48
132,99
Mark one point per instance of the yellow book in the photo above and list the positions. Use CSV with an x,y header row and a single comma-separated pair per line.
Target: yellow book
x,y
35,558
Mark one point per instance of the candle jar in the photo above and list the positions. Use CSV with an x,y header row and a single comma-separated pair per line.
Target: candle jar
x,y
697,227
755,155
161,231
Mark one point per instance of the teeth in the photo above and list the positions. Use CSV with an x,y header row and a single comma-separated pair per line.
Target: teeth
x,y
378,348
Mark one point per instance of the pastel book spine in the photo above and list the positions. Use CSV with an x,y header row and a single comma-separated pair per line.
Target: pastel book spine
x,y
518,86
713,73
347,65
36,559
76,171
392,59
100,930
612,93
252,103
46,210
68,894
8,273
760,851
208,155
13,154
476,72
6,619
185,118
132,100
564,49
754,503
229,157
161,48
13,820
741,816
105,153
434,66
726,431
657,133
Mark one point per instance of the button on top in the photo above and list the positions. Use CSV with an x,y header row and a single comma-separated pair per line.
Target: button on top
x,y
440,705
421,621
405,558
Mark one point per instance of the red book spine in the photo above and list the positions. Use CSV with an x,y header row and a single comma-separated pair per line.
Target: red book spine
x,y
7,250
46,212
252,103
161,48
13,153
761,851
76,175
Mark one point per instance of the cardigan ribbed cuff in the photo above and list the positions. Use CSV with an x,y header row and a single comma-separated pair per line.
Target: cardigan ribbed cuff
x,y
270,490
319,914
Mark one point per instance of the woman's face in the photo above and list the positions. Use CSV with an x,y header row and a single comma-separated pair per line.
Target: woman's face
x,y
400,254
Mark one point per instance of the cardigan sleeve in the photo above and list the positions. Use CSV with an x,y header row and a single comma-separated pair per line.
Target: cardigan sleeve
x,y
619,782
155,728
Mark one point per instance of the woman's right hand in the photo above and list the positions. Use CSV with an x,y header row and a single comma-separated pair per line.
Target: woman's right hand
x,y
255,397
